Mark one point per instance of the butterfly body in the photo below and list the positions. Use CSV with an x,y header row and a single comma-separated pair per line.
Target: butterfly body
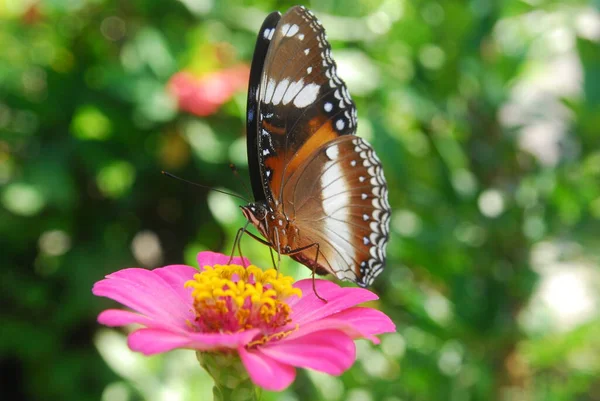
x,y
274,225
320,194
281,232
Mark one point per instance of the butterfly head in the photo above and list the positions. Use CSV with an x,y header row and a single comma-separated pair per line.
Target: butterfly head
x,y
255,213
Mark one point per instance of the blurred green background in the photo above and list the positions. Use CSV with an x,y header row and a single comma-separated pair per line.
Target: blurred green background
x,y
486,115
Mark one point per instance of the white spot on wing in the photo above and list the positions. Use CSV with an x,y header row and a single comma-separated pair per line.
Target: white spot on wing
x,y
336,204
292,91
290,30
307,95
340,124
269,91
266,33
328,107
332,152
280,91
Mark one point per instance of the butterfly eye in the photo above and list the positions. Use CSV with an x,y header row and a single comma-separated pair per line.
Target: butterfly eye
x,y
287,249
260,212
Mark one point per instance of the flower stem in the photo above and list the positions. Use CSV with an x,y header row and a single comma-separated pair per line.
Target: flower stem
x,y
232,382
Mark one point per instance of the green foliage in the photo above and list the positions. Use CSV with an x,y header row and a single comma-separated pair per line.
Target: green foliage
x,y
485,115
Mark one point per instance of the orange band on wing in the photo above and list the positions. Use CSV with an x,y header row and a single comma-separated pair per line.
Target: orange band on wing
x,y
322,136
273,129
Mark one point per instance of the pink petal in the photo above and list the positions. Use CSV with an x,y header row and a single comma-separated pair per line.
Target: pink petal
x,y
176,276
192,94
148,294
154,341
330,324
310,308
208,258
329,351
204,95
118,317
265,371
356,322
365,320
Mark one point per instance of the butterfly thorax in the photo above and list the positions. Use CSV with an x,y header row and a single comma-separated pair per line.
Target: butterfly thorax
x,y
279,230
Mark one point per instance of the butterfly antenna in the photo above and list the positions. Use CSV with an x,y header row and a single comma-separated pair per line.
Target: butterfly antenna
x,y
235,172
204,186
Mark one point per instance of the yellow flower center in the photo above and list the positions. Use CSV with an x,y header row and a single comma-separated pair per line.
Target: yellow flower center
x,y
230,298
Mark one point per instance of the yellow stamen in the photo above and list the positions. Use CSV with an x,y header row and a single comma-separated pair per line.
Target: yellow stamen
x,y
231,298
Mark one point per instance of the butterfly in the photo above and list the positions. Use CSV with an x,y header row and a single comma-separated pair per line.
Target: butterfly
x,y
319,190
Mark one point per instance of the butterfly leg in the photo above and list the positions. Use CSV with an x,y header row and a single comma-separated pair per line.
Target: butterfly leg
x,y
262,241
239,244
273,258
278,249
236,241
313,274
314,267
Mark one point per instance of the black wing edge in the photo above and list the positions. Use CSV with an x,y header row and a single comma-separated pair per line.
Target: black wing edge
x,y
258,61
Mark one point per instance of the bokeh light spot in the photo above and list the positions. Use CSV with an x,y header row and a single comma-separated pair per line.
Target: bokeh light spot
x,y
470,234
359,394
116,179
90,123
204,142
491,203
23,199
406,223
432,57
147,249
433,13
464,182
569,295
54,242
223,207
438,307
393,345
118,391
113,28
379,22
450,360
330,387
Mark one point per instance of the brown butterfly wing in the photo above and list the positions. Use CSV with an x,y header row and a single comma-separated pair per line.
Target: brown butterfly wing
x,y
302,103
338,198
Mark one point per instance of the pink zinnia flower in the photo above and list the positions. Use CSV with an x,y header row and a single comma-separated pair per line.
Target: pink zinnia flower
x,y
204,95
274,325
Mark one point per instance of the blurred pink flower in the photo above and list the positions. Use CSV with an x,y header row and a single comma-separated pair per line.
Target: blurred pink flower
x,y
274,325
204,95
